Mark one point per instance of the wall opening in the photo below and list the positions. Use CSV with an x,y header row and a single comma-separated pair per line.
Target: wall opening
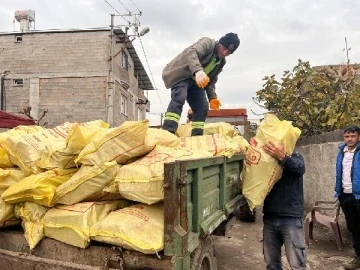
x,y
18,39
18,82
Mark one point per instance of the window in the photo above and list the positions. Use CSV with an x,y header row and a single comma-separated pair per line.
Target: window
x,y
125,61
18,39
18,82
124,104
139,115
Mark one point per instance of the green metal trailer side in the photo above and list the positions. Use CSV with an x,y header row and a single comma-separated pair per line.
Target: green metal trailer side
x,y
199,195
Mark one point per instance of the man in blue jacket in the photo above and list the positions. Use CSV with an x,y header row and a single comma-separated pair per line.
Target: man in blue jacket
x,y
283,212
347,187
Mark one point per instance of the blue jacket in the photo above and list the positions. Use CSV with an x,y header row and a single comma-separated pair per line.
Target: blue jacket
x,y
286,198
355,172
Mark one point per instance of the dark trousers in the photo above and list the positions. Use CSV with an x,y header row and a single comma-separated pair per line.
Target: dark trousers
x,y
187,90
287,231
351,208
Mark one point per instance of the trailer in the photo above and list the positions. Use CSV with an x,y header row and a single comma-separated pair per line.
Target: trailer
x,y
200,196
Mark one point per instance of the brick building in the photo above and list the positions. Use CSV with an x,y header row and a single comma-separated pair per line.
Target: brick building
x,y
70,74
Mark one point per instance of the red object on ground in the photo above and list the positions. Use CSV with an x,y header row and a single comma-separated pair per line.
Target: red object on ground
x,y
10,120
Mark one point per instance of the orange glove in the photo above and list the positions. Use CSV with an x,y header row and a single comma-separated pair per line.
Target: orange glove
x,y
201,79
215,104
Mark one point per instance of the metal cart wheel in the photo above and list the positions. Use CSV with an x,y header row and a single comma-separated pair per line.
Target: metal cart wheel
x,y
204,256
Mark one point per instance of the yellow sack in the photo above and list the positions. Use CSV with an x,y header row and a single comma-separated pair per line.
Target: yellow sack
x,y
4,158
110,192
261,171
219,128
209,128
79,135
58,159
32,221
143,180
104,195
275,130
112,187
71,224
38,188
27,150
242,143
155,136
7,215
184,130
216,144
86,183
138,227
161,137
119,144
9,177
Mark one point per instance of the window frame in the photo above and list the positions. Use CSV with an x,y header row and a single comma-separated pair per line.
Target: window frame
x,y
125,61
139,114
18,82
18,38
124,106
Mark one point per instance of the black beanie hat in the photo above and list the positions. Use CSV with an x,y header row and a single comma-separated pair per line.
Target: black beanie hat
x,y
230,41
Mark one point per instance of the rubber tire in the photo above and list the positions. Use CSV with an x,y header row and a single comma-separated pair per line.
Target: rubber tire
x,y
203,258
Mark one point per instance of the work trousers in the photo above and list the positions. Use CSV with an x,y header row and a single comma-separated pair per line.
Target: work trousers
x,y
351,208
286,231
187,90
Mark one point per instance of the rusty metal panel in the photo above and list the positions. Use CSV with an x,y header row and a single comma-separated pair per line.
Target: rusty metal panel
x,y
95,256
14,260
175,209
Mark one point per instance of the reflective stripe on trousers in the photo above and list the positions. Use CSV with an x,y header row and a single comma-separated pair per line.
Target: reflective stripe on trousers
x,y
187,90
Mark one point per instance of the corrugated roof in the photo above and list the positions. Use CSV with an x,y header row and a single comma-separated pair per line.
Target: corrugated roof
x,y
10,120
143,78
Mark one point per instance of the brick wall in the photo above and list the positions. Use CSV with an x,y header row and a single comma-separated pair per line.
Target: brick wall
x,y
72,70
73,99
16,97
55,52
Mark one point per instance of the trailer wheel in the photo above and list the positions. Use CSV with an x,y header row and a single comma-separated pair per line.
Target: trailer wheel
x,y
203,257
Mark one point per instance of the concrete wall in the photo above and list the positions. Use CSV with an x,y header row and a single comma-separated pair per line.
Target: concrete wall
x,y
67,74
319,153
319,178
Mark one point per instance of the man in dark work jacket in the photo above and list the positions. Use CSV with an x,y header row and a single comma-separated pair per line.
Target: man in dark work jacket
x,y
283,212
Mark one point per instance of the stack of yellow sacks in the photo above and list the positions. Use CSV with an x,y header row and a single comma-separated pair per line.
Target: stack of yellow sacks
x,y
77,181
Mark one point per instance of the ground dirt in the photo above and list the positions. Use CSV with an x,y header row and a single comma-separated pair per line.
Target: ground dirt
x,y
241,248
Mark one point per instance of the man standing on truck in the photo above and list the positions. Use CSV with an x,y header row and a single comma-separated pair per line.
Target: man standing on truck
x,y
347,187
191,73
283,212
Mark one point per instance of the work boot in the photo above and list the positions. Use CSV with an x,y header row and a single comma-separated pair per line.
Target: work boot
x,y
354,264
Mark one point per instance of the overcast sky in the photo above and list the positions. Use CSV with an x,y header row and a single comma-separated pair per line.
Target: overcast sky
x,y
273,35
